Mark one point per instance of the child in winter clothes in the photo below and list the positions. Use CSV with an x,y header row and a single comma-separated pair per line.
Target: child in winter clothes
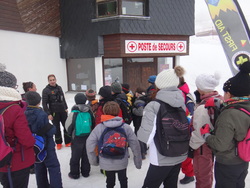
x,y
93,102
187,165
78,144
231,127
137,110
105,96
203,157
125,89
113,166
38,119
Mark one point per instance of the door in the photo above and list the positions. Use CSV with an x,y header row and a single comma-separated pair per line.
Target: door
x,y
137,71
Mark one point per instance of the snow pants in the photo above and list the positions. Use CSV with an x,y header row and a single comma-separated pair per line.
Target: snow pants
x,y
50,165
187,167
122,177
79,159
203,167
230,176
20,178
156,175
60,117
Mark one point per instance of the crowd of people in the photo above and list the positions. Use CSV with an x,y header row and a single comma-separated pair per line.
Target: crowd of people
x,y
99,130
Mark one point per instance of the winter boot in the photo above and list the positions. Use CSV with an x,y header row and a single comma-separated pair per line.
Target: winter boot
x,y
186,180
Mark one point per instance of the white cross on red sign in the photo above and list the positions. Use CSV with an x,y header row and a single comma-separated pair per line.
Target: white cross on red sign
x,y
155,46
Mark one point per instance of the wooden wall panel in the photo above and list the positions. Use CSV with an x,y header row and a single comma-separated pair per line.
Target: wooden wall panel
x,y
10,18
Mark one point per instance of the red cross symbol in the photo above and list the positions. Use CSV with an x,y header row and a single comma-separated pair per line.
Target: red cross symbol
x,y
132,46
180,46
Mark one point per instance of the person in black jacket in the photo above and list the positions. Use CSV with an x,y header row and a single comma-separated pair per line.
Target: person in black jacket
x,y
55,106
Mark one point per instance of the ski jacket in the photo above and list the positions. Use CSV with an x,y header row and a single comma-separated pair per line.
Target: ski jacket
x,y
53,99
172,96
113,164
37,119
99,111
201,118
230,127
17,131
69,125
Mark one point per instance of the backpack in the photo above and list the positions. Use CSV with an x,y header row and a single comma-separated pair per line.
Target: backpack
x,y
126,110
172,131
83,123
6,150
39,148
243,147
113,143
40,143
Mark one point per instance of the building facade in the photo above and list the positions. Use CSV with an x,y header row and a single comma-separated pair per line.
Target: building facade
x,y
125,40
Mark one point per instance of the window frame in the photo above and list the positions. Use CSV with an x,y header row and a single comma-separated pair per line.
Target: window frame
x,y
119,8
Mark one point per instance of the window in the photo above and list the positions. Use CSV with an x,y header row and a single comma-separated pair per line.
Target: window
x,y
81,74
107,8
165,63
113,70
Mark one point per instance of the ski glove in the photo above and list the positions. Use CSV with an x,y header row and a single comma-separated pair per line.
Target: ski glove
x,y
205,129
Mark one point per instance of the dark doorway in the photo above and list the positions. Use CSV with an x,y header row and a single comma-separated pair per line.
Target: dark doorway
x,y
137,70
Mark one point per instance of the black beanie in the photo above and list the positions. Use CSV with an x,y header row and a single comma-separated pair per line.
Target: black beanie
x,y
32,98
105,92
239,85
125,88
80,98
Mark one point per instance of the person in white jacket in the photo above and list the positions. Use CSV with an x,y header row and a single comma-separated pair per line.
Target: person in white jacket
x,y
111,166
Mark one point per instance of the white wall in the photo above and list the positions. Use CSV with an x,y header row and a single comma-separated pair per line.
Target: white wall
x,y
32,57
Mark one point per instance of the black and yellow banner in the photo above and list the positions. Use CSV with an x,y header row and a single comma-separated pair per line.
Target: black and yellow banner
x,y
232,30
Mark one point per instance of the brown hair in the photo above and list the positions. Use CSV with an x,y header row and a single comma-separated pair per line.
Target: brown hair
x,y
51,75
27,85
111,108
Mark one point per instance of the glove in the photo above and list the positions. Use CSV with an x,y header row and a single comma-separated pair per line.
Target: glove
x,y
205,129
190,152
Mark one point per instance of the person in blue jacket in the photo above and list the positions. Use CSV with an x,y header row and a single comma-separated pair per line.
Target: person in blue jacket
x,y
38,120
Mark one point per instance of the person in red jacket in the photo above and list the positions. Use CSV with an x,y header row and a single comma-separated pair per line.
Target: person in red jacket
x,y
17,132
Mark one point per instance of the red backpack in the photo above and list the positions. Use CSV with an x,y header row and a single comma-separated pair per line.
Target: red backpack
x,y
6,150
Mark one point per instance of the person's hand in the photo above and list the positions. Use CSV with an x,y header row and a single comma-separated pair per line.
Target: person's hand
x,y
205,129
66,110
50,117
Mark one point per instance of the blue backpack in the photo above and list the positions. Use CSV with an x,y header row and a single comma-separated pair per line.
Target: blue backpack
x,y
39,148
113,143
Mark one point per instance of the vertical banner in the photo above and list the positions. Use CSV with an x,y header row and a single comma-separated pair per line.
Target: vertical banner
x,y
232,30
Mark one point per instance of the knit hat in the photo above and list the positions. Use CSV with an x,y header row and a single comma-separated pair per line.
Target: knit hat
x,y
207,82
90,94
32,98
80,98
151,79
239,85
105,92
125,88
116,87
7,79
168,78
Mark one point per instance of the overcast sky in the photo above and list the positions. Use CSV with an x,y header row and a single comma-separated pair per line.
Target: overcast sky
x,y
203,19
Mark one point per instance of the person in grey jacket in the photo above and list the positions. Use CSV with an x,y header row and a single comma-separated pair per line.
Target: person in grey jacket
x,y
231,127
162,169
109,165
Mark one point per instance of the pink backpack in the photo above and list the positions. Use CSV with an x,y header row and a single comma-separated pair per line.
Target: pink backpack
x,y
243,147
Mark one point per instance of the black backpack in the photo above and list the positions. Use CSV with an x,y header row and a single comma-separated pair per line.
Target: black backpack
x,y
172,131
126,110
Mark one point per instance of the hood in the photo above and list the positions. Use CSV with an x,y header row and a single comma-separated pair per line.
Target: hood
x,y
172,95
81,107
51,87
114,122
184,88
120,95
